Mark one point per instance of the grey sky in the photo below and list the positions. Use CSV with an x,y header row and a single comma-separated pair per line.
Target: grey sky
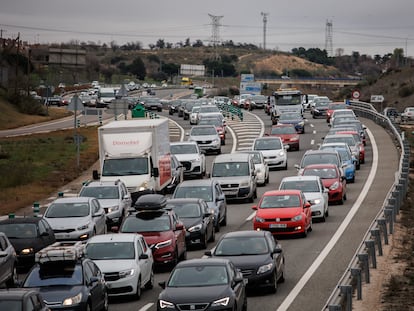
x,y
367,26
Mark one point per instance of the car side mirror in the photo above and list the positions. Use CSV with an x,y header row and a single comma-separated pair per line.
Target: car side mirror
x,y
95,175
162,284
93,280
254,207
307,205
179,226
208,253
155,172
143,256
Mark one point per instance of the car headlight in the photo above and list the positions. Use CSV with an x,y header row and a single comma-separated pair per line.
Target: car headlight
x,y
163,244
301,123
195,228
216,140
334,186
73,300
265,268
143,186
297,218
113,208
221,302
27,251
294,139
282,153
259,219
165,304
316,201
195,160
84,227
125,273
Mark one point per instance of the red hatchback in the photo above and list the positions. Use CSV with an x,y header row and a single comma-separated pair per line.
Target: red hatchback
x,y
335,106
283,212
331,179
287,133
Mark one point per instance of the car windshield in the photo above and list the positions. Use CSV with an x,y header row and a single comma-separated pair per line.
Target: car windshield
x,y
62,210
324,173
349,140
110,250
199,131
103,192
321,104
208,109
125,166
186,210
267,144
146,222
183,149
343,153
241,246
198,192
19,231
324,158
230,169
280,130
210,121
280,201
198,276
337,106
304,185
55,274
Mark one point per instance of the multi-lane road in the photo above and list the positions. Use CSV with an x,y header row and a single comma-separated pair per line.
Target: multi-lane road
x,y
313,264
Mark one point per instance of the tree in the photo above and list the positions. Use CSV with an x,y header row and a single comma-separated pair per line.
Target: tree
x,y
160,44
137,68
187,42
198,43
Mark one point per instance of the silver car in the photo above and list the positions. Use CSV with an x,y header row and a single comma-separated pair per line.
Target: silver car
x,y
191,157
76,218
206,137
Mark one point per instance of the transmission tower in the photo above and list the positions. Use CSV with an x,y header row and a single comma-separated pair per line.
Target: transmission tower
x,y
215,36
264,28
328,38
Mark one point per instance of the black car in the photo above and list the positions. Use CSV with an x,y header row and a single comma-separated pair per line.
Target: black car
x,y
177,173
204,284
152,103
22,300
257,254
173,106
197,218
28,235
66,280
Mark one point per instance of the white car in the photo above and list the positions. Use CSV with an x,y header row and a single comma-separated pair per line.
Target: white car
x,y
76,218
191,157
126,261
273,150
261,167
194,115
314,191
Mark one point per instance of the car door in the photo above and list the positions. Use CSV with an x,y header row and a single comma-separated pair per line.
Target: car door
x,y
99,216
46,233
179,233
238,287
6,259
277,257
96,288
126,199
145,265
220,200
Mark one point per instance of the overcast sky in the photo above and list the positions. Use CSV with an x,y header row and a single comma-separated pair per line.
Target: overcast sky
x,y
367,26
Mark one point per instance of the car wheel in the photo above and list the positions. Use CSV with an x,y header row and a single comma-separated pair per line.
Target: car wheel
x,y
327,212
224,220
204,241
88,306
217,226
219,151
273,285
267,179
286,166
175,259
213,235
150,283
345,197
138,292
184,255
255,194
13,278
105,302
358,166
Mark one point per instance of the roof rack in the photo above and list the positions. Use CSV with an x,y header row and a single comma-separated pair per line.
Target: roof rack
x,y
61,251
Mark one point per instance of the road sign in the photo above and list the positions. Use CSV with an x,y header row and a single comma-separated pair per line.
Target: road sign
x,y
356,94
75,104
251,87
247,77
377,99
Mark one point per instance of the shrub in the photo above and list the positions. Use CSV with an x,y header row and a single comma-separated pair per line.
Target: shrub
x,y
406,91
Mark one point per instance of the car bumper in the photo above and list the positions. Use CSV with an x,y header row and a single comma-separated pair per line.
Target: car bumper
x,y
194,238
335,195
282,228
74,236
120,286
237,193
258,280
276,162
318,211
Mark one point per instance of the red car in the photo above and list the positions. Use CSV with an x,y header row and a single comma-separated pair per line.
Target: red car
x,y
331,179
334,106
287,133
357,138
283,212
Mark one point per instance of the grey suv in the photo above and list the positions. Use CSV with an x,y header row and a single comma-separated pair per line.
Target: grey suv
x,y
113,197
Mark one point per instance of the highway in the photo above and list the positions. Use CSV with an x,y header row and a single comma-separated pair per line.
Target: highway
x,y
313,264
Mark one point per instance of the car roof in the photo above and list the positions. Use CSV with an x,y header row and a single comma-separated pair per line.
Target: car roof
x,y
102,183
299,178
283,125
321,165
268,138
282,192
20,220
184,200
308,152
114,237
203,262
244,233
233,157
197,182
188,142
73,200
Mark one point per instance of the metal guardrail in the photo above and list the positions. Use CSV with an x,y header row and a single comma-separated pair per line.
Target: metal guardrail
x,y
358,270
230,111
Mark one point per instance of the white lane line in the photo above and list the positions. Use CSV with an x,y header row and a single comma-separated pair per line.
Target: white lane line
x,y
146,307
313,132
311,125
312,142
325,252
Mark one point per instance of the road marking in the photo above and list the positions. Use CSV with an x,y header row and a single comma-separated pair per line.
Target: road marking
x,y
311,125
325,252
146,307
312,142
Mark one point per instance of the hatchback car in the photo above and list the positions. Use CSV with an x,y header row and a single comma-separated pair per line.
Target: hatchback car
x,y
113,196
173,106
293,118
162,229
204,284
28,235
198,220
210,191
261,167
287,133
273,150
320,157
76,218
319,109
331,178
283,212
125,260
21,299
206,137
407,114
334,106
313,189
218,123
257,254
349,161
349,140
8,262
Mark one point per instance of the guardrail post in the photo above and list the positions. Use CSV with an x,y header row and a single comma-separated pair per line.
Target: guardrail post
x,y
383,226
392,202
356,273
370,244
377,237
389,216
347,290
365,266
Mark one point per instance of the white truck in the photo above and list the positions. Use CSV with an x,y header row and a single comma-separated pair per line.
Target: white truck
x,y
136,152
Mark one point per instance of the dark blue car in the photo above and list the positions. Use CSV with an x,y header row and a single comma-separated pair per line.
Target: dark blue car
x,y
293,118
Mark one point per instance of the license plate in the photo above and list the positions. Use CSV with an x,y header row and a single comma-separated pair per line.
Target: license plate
x,y
230,192
277,226
62,236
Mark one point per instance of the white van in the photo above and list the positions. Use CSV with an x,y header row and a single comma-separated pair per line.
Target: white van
x,y
236,174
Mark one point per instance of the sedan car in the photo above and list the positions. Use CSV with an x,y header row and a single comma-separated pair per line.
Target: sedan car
x,y
313,189
283,212
206,137
407,114
198,220
152,103
204,284
125,260
8,262
22,300
273,150
28,235
287,133
257,254
76,218
293,118
331,178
